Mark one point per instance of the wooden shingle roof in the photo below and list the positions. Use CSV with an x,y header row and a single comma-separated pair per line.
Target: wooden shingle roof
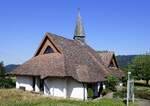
x,y
107,57
74,59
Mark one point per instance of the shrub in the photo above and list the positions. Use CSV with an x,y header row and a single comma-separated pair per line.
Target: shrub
x,y
120,94
105,91
6,83
112,81
90,93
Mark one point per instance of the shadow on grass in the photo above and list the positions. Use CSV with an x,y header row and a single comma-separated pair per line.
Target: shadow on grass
x,y
141,84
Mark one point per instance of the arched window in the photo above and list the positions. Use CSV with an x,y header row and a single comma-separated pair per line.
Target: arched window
x,y
48,50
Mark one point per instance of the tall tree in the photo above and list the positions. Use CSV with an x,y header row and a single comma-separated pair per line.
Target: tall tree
x,y
140,67
2,70
5,82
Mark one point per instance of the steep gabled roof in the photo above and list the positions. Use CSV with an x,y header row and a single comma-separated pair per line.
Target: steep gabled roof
x,y
107,57
74,59
78,54
47,41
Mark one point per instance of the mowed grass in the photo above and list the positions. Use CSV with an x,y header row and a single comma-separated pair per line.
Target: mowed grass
x,y
12,97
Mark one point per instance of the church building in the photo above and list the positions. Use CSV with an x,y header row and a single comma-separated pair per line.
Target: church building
x,y
66,68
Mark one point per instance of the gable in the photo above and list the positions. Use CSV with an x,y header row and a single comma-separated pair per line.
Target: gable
x,y
113,62
108,58
47,46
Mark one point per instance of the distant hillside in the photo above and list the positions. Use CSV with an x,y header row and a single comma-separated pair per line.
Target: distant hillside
x,y
10,67
124,60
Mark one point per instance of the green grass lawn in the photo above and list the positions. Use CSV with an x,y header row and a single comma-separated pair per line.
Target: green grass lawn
x,y
12,97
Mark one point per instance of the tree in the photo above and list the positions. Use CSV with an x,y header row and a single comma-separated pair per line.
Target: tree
x,y
5,82
140,67
2,70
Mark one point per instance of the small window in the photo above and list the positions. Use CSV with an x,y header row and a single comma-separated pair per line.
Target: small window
x,y
48,50
112,64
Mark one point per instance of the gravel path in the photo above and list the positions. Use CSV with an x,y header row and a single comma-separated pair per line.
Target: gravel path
x,y
143,102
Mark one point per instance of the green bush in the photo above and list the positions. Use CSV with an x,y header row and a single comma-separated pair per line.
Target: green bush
x,y
90,93
112,81
105,91
120,94
6,83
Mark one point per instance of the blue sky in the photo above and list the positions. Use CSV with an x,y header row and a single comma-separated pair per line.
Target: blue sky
x,y
122,26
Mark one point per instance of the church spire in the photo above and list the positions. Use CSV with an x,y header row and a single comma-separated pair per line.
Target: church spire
x,y
79,33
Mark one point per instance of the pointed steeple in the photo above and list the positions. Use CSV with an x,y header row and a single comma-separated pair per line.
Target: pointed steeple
x,y
79,33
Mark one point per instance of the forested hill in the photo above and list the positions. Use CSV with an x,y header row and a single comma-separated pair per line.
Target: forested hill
x,y
124,60
10,67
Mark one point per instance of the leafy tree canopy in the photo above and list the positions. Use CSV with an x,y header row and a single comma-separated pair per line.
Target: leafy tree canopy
x,y
140,67
5,81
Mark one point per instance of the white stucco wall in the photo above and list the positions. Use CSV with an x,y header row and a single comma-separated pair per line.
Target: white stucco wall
x,y
59,87
76,89
24,81
55,87
65,87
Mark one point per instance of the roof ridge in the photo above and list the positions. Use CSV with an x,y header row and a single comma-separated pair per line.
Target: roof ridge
x,y
52,34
